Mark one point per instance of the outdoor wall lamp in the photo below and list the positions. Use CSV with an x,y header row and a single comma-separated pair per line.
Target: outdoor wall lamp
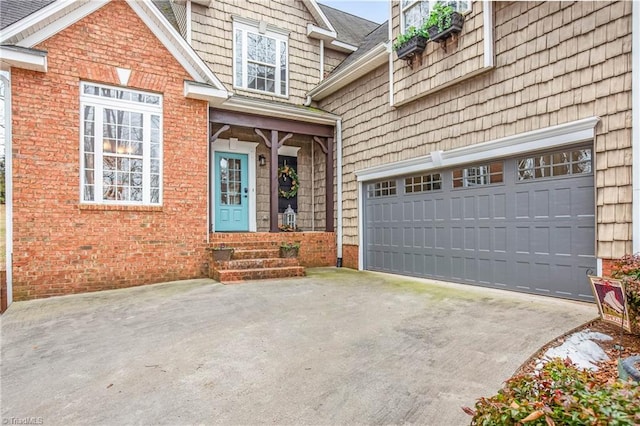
x,y
262,160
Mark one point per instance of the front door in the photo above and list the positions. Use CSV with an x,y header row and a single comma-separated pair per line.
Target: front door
x,y
231,192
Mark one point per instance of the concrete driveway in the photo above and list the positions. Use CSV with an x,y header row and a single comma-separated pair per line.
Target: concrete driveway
x,y
335,347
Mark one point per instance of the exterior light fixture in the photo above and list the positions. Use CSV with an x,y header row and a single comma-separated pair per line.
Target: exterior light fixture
x,y
262,160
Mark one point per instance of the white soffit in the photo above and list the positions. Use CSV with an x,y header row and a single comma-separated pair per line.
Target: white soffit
x,y
546,138
19,57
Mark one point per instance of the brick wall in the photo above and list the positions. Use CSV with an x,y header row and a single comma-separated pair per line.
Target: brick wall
x,y
556,62
61,247
350,256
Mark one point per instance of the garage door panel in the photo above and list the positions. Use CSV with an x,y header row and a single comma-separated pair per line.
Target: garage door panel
x,y
499,206
535,235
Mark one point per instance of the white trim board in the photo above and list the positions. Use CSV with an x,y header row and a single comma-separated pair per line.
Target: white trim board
x,y
235,146
8,149
545,138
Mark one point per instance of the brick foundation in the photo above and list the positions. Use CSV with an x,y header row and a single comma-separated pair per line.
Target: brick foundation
x,y
350,256
607,266
62,247
316,248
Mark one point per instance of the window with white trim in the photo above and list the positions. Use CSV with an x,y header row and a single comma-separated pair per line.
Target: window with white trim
x,y
569,162
260,59
121,146
415,12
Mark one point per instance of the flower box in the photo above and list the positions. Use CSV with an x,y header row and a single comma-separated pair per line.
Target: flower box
x,y
457,21
412,47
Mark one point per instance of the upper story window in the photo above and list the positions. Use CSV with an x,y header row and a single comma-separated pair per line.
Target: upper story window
x,y
260,59
415,12
121,146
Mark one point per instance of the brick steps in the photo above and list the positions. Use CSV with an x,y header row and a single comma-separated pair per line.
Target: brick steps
x,y
254,261
256,254
236,275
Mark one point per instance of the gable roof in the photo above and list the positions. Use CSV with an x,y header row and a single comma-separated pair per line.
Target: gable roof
x,y
350,29
36,25
374,38
12,11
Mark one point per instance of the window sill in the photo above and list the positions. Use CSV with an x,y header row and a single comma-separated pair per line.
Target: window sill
x,y
116,207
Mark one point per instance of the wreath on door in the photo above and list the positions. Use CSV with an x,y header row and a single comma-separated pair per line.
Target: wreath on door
x,y
287,172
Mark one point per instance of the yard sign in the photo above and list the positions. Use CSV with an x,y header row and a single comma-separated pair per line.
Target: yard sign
x,y
612,301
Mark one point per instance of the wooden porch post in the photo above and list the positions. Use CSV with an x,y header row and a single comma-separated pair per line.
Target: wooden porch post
x,y
329,186
273,178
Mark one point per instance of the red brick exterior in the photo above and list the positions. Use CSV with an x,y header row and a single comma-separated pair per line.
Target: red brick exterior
x,y
316,248
61,247
350,256
607,266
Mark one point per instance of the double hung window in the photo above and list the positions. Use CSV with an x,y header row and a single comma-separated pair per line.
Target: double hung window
x,y
260,59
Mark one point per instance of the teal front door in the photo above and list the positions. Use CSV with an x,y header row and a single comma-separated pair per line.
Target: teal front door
x,y
231,192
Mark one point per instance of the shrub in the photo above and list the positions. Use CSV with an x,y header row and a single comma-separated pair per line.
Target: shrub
x,y
627,269
559,394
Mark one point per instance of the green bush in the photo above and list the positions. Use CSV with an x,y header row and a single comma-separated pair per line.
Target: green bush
x,y
559,394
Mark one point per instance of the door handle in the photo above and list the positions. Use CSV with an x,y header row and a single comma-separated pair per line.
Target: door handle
x,y
246,191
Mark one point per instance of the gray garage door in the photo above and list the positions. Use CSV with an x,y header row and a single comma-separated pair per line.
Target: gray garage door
x,y
523,224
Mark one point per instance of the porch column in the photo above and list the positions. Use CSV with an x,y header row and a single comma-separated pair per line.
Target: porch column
x,y
273,178
329,186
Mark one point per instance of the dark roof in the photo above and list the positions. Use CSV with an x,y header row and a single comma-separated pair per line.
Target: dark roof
x,y
351,29
164,6
374,38
12,11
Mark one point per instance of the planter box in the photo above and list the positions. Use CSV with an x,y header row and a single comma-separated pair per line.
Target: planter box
x,y
222,255
457,20
412,47
289,252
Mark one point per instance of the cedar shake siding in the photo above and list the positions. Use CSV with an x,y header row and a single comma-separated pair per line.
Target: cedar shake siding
x,y
555,62
61,246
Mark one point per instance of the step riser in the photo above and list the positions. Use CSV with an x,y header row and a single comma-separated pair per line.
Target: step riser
x,y
256,254
227,276
257,263
249,245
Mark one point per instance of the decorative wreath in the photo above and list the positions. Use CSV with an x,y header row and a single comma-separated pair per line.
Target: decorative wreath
x,y
289,172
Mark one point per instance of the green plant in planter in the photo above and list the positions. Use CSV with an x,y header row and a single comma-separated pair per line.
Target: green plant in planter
x,y
439,17
408,35
289,249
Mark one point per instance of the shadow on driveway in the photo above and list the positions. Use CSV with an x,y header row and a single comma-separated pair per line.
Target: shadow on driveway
x,y
335,347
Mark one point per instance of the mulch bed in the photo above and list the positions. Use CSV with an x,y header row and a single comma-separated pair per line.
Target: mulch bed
x,y
623,345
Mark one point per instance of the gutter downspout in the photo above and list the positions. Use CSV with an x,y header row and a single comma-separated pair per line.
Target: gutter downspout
x,y
339,189
635,123
8,183
188,30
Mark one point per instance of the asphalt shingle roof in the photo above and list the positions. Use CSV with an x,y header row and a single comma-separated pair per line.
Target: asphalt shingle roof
x,y
374,38
351,29
11,11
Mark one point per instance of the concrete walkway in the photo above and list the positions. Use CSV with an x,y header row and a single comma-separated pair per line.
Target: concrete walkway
x,y
336,347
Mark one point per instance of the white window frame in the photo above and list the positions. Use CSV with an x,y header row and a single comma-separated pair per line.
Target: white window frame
x,y
268,31
99,103
415,3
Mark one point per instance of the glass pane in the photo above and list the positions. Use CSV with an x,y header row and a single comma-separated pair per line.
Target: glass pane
x,y
88,193
238,57
155,196
155,166
88,161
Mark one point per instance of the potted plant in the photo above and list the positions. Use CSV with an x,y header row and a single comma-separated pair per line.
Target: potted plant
x,y
410,43
289,249
443,22
222,253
